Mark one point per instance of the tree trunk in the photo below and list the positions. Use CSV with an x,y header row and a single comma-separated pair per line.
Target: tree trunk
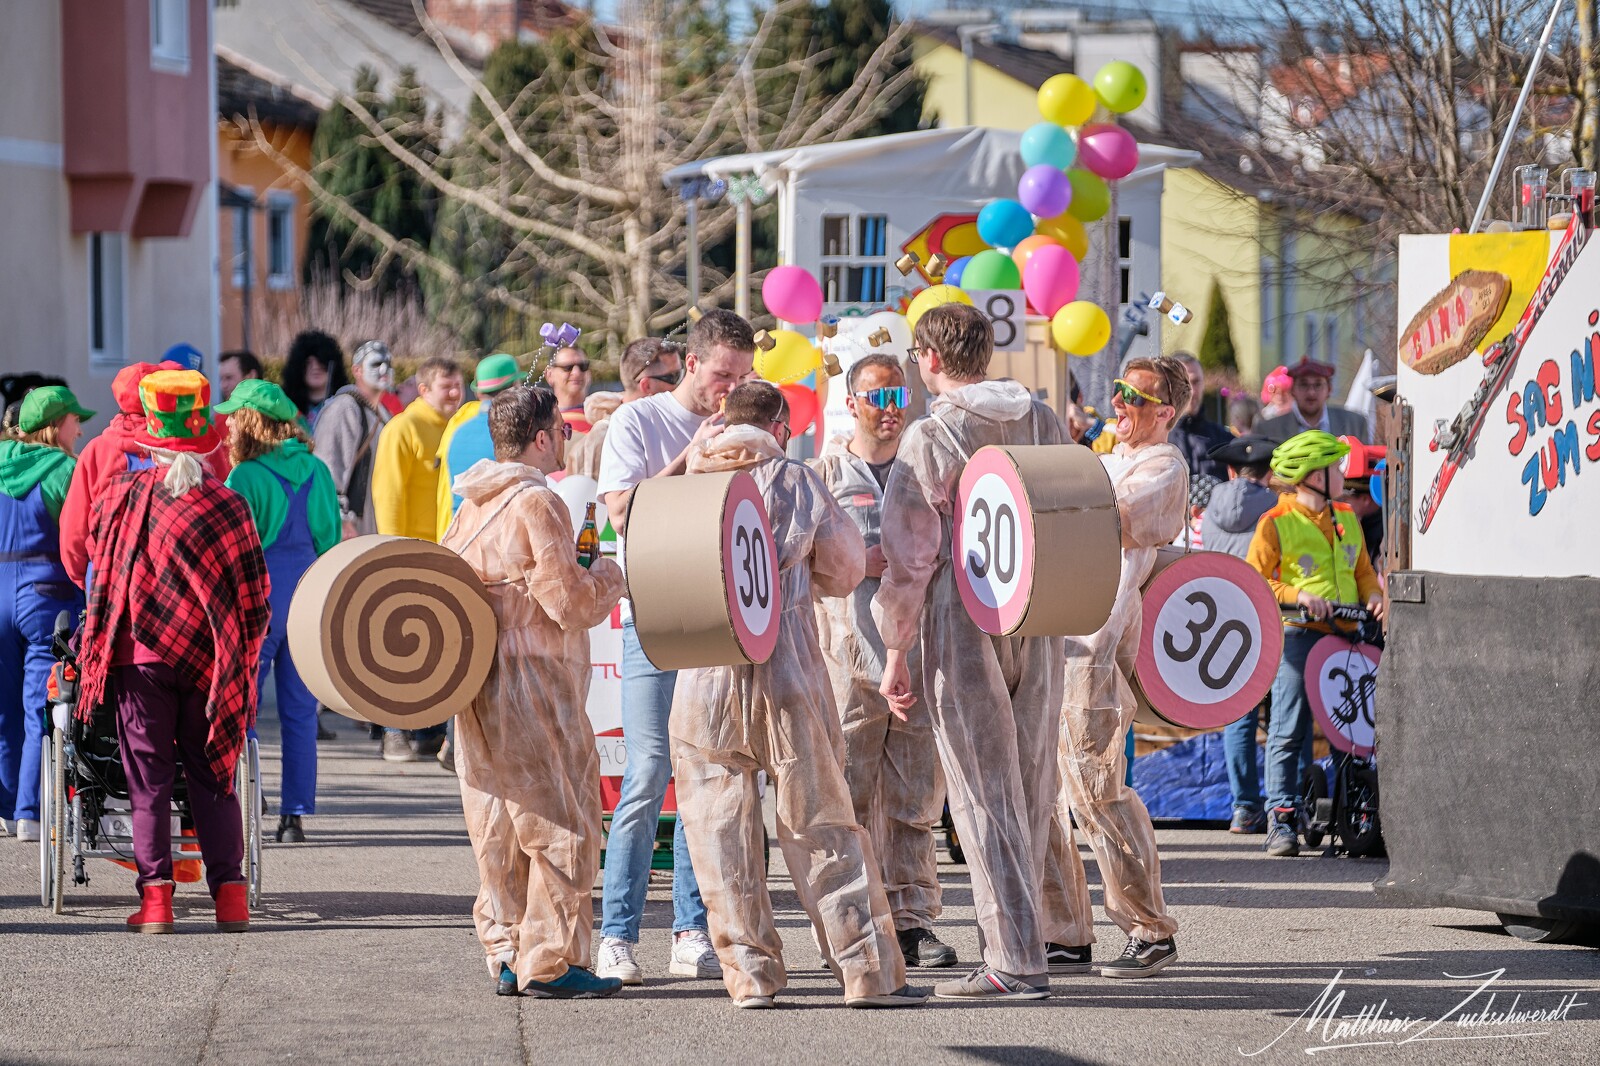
x,y
1586,150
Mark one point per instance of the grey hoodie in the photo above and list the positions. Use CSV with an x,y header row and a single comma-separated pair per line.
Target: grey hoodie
x,y
1231,517
346,436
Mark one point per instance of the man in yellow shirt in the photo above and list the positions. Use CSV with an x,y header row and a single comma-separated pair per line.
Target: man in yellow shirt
x,y
466,438
405,475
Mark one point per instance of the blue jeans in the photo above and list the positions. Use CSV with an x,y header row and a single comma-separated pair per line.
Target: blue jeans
x,y
646,705
1239,747
1289,733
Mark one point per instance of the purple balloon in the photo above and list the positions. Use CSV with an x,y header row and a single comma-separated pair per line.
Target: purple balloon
x,y
1044,190
1107,150
1051,280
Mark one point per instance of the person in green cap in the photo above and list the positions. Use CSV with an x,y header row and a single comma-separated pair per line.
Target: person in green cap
x,y
35,469
466,438
296,508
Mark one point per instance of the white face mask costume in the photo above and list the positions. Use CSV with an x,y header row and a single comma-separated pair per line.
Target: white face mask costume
x,y
376,364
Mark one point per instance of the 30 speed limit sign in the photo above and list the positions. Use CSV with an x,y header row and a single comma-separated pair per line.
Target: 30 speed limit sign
x,y
1341,686
750,571
1036,543
1210,641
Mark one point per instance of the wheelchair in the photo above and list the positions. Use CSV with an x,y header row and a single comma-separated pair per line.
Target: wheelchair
x,y
85,812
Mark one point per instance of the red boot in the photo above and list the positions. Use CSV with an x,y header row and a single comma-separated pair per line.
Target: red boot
x,y
233,907
155,916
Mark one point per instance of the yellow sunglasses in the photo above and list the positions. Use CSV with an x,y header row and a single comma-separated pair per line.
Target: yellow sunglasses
x,y
1133,395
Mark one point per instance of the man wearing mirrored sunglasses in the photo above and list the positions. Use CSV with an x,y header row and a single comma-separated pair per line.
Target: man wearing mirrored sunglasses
x,y
568,377
890,765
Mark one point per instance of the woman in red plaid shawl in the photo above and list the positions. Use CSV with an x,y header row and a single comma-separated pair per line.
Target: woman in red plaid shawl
x,y
176,618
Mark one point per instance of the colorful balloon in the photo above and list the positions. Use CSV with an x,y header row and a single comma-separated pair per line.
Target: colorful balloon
x,y
1067,100
1107,150
952,273
1051,279
1066,231
1044,190
990,269
1080,328
803,406
1091,199
792,294
1024,251
1046,144
1004,223
790,359
935,296
1120,85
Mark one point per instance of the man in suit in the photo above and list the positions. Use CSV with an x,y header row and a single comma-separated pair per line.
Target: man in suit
x,y
1313,381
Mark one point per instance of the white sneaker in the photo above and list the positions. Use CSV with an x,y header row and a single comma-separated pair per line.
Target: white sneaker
x,y
693,956
27,830
5,828
616,960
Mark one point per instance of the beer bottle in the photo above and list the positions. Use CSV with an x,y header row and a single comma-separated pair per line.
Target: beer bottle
x,y
588,540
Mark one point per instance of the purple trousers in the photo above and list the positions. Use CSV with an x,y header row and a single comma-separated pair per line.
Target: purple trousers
x,y
162,718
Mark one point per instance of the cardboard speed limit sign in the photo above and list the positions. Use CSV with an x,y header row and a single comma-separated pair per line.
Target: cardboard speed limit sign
x,y
702,571
1341,686
1036,543
1210,640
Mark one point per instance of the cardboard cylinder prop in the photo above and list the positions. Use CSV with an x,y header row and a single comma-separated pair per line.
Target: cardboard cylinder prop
x,y
393,631
1210,639
1341,686
1037,544
702,571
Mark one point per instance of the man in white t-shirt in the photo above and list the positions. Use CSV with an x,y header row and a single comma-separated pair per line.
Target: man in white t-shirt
x,y
651,438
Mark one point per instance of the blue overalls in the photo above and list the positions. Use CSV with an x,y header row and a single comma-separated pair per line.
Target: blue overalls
x,y
287,561
34,588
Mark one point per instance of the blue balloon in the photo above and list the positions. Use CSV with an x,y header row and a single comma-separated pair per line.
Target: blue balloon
x,y
1005,224
953,272
1048,143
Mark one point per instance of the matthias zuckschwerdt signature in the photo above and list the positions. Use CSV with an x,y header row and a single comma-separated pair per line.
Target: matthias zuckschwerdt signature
x,y
1484,1013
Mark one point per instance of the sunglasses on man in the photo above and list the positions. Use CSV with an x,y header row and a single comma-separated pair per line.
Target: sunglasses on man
x,y
564,428
581,365
896,396
1134,396
670,378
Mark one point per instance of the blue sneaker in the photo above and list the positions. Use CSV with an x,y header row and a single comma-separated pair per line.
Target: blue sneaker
x,y
506,983
1248,820
576,983
1282,839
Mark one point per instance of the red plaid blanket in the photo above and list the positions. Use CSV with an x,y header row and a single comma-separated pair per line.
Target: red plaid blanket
x,y
187,578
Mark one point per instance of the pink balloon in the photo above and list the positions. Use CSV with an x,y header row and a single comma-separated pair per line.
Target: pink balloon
x,y
1107,150
792,294
1051,279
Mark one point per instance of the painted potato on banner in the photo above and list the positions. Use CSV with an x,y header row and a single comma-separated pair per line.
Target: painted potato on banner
x,y
1341,686
1037,541
1210,640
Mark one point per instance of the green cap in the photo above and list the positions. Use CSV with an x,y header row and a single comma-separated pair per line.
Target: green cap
x,y
263,396
495,373
48,404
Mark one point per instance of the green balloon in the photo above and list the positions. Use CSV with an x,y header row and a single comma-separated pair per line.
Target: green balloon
x,y
1091,199
990,269
1120,86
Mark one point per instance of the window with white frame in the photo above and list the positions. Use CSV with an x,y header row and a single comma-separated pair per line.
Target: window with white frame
x,y
855,258
169,35
107,300
280,240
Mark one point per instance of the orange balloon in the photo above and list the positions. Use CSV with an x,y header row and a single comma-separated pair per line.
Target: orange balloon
x,y
1027,246
1066,231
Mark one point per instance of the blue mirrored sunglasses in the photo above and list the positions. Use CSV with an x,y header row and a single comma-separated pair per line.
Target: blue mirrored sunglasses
x,y
897,396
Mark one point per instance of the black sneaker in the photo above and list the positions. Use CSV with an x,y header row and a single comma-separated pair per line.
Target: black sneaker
x,y
1282,839
1141,958
427,747
922,948
290,831
1061,959
323,732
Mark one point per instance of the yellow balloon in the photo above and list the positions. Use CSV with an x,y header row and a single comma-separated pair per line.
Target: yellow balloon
x,y
932,297
1067,100
791,359
1068,231
1081,328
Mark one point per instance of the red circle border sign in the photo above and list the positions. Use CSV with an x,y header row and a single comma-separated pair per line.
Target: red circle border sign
x,y
1005,617
1163,699
1322,651
757,647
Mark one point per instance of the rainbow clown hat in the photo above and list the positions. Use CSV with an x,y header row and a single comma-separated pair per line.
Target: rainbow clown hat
x,y
177,412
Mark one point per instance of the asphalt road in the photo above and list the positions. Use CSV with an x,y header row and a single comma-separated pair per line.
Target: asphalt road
x,y
363,951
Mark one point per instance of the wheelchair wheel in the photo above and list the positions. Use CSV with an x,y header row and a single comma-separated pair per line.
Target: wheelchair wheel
x,y
58,821
247,783
49,877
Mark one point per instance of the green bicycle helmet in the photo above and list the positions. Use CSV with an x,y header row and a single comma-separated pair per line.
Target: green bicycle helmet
x,y
1305,453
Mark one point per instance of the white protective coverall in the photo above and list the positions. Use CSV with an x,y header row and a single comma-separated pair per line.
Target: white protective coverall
x,y
530,778
995,702
891,766
730,722
1152,486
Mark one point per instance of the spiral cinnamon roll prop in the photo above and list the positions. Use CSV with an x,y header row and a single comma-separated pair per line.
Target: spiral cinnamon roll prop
x,y
394,631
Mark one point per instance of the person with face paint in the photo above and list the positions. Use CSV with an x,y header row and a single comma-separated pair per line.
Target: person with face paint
x,y
1311,551
347,435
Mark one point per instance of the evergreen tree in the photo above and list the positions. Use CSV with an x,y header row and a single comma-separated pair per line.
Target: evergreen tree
x,y
1216,346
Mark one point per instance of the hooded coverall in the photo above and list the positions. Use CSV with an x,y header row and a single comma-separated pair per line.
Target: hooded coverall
x,y
530,778
892,767
995,702
1152,486
730,722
